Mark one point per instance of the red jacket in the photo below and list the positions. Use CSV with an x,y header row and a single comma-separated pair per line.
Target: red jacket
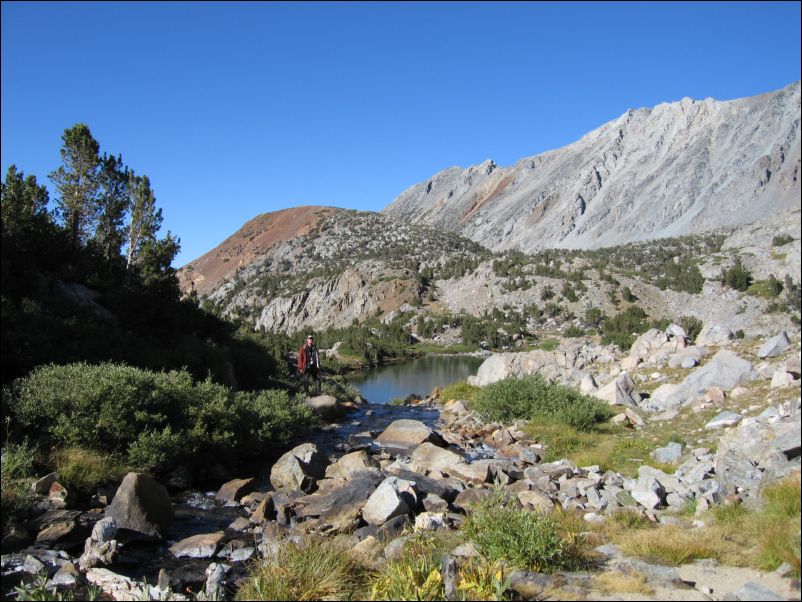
x,y
302,362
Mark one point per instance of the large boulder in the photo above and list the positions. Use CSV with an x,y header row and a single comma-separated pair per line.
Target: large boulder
x,y
502,365
407,434
299,469
688,356
621,391
394,497
351,464
758,453
714,334
774,346
654,345
141,507
234,490
428,457
325,406
726,370
339,508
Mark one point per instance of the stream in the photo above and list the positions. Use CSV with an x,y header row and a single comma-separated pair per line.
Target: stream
x,y
196,511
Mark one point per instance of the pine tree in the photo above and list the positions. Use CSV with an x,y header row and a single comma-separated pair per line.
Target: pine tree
x,y
145,218
78,182
113,204
23,202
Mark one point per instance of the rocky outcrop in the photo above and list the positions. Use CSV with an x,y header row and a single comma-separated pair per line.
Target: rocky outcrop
x,y
759,452
725,370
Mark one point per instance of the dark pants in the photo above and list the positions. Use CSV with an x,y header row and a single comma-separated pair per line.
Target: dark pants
x,y
309,375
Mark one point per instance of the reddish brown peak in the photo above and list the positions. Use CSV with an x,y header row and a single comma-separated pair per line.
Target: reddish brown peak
x,y
247,244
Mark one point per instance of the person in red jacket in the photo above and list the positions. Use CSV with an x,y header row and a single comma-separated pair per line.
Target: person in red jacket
x,y
309,364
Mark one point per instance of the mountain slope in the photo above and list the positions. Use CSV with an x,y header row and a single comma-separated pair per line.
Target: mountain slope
x,y
322,266
679,168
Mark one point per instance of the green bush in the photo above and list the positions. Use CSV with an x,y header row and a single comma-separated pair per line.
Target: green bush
x,y
532,397
737,277
574,331
621,328
155,419
528,540
692,326
782,239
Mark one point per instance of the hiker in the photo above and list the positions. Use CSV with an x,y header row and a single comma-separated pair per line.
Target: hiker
x,y
309,364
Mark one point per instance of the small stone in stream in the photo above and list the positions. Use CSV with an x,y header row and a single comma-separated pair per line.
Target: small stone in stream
x,y
198,546
240,524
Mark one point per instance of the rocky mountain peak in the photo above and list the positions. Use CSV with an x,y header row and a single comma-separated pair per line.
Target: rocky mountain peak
x,y
678,168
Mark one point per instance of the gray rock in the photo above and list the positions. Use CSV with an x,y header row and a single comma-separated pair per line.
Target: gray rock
x,y
428,456
622,391
648,492
339,508
774,346
142,507
350,464
674,330
242,554
215,581
722,419
234,490
529,585
693,352
66,576
42,486
393,497
689,362
325,406
757,454
753,591
426,486
239,524
408,434
476,472
465,498
299,469
198,546
714,334
726,370
654,573
670,453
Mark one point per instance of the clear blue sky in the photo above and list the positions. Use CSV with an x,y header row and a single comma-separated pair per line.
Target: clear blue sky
x,y
235,109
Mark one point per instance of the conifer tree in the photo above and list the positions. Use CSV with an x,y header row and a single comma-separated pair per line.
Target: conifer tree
x,y
145,218
78,182
113,203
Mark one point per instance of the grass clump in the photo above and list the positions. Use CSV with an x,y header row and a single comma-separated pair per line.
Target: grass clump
x,y
17,476
84,470
615,582
777,525
533,397
314,570
673,545
523,539
459,390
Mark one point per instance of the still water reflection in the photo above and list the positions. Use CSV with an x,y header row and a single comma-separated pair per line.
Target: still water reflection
x,y
418,376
